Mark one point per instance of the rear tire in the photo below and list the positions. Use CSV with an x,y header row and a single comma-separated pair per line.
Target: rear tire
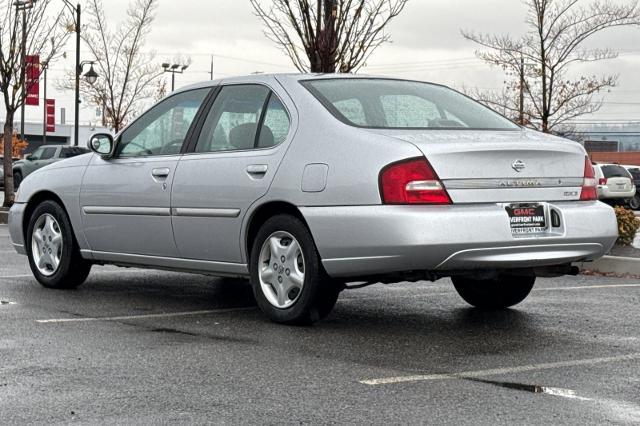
x,y
288,280
634,202
54,256
497,293
17,179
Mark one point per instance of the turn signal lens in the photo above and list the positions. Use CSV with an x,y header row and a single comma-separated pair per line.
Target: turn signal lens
x,y
412,181
589,183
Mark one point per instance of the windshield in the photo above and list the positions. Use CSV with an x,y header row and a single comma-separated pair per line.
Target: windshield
x,y
399,104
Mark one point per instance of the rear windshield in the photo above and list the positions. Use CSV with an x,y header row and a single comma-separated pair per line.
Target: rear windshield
x,y
615,171
398,104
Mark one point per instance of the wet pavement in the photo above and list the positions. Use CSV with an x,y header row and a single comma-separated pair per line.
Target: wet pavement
x,y
141,347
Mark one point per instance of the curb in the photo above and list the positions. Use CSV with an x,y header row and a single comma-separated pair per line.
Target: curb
x,y
4,216
614,264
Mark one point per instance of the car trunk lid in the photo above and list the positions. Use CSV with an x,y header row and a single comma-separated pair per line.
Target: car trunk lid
x,y
500,166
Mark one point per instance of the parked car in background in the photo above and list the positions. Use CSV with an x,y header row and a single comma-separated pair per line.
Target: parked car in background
x,y
306,183
615,184
2,169
43,156
634,202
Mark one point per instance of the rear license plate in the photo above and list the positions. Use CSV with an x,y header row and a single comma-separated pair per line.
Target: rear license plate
x,y
526,219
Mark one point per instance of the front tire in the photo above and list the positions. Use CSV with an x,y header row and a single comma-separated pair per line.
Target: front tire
x,y
497,293
288,280
54,256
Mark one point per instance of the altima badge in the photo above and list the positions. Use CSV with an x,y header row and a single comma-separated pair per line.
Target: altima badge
x,y
518,166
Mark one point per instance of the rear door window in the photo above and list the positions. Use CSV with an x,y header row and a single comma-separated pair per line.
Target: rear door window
x,y
48,153
72,152
243,117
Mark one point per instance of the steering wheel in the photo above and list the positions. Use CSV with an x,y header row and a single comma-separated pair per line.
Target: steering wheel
x,y
142,148
169,148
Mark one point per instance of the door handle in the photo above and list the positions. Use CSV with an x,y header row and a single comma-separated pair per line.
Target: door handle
x,y
257,170
161,173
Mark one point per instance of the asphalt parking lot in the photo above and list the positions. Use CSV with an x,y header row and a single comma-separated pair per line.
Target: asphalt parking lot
x,y
133,346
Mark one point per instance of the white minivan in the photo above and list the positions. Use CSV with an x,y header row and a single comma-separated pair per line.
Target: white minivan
x,y
615,184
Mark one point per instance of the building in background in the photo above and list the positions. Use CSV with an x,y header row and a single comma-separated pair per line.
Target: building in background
x,y
611,143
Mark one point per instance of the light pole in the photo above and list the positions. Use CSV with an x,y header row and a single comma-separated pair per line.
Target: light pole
x,y
44,65
23,5
76,9
174,69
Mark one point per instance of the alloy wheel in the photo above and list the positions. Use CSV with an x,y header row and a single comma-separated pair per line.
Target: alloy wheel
x,y
281,269
46,244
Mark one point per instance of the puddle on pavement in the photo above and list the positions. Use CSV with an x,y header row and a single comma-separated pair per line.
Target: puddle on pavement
x,y
565,393
510,385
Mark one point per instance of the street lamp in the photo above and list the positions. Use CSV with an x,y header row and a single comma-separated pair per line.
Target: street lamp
x,y
174,69
90,76
23,5
76,9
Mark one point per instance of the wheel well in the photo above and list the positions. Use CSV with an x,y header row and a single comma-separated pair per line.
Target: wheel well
x,y
33,202
263,213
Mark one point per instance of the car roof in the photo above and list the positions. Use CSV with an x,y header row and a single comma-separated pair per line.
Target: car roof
x,y
293,77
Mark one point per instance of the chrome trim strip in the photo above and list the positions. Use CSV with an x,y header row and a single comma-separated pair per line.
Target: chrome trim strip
x,y
171,263
202,212
510,183
131,211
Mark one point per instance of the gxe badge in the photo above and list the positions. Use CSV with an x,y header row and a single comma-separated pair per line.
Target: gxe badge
x,y
518,166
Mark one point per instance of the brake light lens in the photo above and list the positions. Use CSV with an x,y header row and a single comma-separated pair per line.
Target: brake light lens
x,y
588,192
602,181
412,181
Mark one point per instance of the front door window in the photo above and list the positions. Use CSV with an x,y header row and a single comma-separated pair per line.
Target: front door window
x,y
162,130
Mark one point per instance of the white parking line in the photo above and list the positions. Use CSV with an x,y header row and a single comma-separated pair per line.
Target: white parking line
x,y
131,271
499,371
9,277
581,287
144,316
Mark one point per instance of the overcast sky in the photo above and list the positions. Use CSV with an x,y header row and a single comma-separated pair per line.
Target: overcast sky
x,y
427,45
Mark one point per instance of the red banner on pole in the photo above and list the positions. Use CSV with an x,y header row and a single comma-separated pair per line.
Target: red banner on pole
x,y
51,115
32,77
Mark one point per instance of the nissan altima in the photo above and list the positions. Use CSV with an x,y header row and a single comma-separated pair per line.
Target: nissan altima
x,y
310,184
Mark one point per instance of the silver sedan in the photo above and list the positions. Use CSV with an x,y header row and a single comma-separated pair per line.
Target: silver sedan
x,y
308,184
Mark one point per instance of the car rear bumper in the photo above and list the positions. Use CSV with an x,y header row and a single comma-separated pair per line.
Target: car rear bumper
x,y
16,215
604,193
369,240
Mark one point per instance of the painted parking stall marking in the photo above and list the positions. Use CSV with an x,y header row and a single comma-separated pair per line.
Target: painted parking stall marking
x,y
500,371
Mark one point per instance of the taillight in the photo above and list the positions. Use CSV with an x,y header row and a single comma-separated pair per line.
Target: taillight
x,y
589,192
602,181
412,181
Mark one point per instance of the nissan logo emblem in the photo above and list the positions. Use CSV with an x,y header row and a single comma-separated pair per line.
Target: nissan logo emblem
x,y
518,166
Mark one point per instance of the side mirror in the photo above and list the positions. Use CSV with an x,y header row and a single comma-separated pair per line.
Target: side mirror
x,y
30,158
101,144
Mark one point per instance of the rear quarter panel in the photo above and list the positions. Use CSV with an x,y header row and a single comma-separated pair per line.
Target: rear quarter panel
x,y
354,157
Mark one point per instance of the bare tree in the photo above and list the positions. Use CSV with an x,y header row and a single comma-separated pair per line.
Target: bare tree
x,y
540,60
127,74
44,37
328,35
